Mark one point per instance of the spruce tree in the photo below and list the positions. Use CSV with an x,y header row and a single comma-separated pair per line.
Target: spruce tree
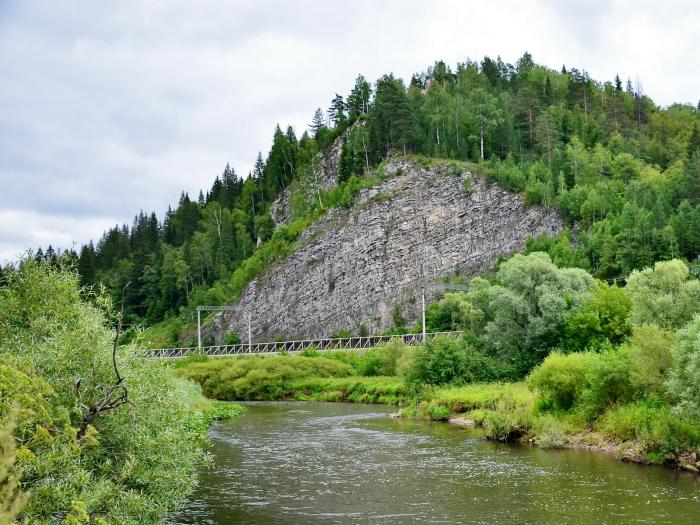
x,y
317,122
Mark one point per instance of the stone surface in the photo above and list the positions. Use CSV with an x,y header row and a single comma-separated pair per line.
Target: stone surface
x,y
324,176
354,267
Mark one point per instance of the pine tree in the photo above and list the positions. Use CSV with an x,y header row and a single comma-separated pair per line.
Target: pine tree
x,y
336,112
86,264
317,122
618,84
358,99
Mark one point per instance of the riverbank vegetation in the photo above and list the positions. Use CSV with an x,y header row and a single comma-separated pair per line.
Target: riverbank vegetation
x,y
101,433
548,355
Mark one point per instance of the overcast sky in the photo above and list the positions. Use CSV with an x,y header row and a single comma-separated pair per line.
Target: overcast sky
x,y
107,108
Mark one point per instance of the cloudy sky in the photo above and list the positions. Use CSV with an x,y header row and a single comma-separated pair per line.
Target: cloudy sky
x,y
107,108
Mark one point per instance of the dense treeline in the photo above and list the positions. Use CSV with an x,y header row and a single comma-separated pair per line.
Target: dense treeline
x,y
623,170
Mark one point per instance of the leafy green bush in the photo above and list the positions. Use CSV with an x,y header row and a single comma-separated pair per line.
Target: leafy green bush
x,y
607,382
600,321
560,379
660,433
381,361
438,413
684,380
650,359
664,295
448,360
134,463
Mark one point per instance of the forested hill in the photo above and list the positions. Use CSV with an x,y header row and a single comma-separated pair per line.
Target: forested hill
x,y
625,171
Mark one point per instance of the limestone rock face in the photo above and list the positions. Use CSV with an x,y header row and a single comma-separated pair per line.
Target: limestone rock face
x,y
356,266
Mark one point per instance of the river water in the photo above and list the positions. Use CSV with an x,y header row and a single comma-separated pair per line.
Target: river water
x,y
322,463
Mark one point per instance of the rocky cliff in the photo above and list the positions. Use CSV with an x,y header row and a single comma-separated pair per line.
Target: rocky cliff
x,y
356,267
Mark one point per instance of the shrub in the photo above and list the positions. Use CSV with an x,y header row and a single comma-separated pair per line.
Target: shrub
x,y
660,433
381,361
507,423
650,358
607,382
133,463
684,380
260,378
560,379
549,431
438,413
664,295
232,338
602,319
586,382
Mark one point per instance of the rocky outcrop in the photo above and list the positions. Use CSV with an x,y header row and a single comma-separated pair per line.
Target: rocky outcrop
x,y
324,176
356,267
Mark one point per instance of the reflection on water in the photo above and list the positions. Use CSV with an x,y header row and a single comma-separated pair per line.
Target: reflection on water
x,y
308,463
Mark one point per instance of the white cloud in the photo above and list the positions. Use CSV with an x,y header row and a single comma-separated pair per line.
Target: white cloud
x,y
109,108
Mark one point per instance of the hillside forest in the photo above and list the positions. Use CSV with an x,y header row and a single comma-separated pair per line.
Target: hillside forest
x,y
624,172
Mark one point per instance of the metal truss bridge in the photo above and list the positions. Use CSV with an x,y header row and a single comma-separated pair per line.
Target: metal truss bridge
x,y
277,347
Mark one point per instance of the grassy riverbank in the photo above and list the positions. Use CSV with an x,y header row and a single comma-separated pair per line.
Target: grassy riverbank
x,y
644,430
309,377
549,356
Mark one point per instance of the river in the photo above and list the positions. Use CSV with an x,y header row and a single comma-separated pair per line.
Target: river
x,y
322,463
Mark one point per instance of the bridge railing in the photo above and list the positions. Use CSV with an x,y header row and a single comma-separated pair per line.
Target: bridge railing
x,y
324,344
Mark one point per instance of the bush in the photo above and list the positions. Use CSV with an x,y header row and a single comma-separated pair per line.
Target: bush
x,y
584,381
381,361
549,431
684,380
438,413
660,433
443,360
599,321
232,338
607,382
134,463
650,359
507,424
560,379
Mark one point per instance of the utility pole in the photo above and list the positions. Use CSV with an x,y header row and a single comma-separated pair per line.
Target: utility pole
x,y
201,309
441,287
199,330
422,300
250,338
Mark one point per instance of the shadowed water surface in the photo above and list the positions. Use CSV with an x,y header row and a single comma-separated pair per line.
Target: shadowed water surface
x,y
308,463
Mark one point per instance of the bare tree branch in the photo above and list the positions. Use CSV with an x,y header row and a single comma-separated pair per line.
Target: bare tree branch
x,y
108,401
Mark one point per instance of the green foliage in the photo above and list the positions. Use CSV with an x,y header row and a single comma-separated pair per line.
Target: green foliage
x,y
438,413
664,295
561,379
650,359
481,396
232,338
661,434
134,463
353,389
259,378
12,500
601,321
382,360
684,380
446,360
